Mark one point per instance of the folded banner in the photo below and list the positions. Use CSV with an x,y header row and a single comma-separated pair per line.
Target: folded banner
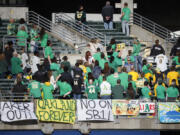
x,y
55,110
147,107
169,112
17,111
125,107
94,110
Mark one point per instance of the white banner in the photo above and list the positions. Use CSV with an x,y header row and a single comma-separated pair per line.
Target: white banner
x,y
17,111
97,110
147,107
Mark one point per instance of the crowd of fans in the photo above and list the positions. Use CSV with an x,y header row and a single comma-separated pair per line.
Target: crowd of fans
x,y
98,75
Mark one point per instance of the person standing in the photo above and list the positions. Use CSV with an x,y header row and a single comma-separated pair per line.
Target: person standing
x,y
157,49
16,64
11,28
105,89
107,14
80,15
126,12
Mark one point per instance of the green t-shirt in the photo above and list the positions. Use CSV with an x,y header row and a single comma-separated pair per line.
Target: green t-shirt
x,y
92,91
124,79
113,47
102,62
113,65
117,92
136,49
145,69
22,37
48,52
115,54
64,88
160,92
133,84
47,91
172,92
44,40
118,61
131,59
112,79
16,65
34,34
97,56
66,64
35,87
127,13
145,92
11,29
3,66
176,60
54,66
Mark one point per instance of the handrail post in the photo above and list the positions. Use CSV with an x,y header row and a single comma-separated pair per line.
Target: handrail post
x,y
154,29
27,17
38,20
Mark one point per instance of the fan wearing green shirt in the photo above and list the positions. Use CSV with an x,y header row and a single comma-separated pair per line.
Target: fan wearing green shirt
x,y
102,61
34,38
125,17
48,54
22,36
118,60
146,92
11,28
97,55
113,77
65,89
112,63
137,57
172,92
43,38
92,90
160,90
123,76
47,89
34,88
66,63
16,64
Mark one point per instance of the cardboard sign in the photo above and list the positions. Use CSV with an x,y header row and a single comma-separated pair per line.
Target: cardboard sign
x,y
17,111
147,107
120,46
169,112
94,110
125,107
56,110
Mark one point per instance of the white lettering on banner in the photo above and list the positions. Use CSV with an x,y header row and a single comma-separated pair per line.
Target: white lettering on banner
x,y
17,111
147,108
97,110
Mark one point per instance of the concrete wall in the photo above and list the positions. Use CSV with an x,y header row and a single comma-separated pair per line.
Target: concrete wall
x,y
13,12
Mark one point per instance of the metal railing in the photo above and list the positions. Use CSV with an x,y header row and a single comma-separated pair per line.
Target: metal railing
x,y
83,29
34,18
153,27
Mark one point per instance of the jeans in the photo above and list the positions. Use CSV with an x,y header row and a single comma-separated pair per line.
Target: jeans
x,y
77,96
138,63
106,97
125,27
108,25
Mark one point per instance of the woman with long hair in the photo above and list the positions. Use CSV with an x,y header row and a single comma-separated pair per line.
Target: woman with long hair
x,y
130,92
106,69
43,37
88,58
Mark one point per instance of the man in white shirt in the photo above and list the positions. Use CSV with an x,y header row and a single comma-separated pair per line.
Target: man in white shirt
x,y
161,61
34,61
105,89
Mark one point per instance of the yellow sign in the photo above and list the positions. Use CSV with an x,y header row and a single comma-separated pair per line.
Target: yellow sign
x,y
120,46
54,110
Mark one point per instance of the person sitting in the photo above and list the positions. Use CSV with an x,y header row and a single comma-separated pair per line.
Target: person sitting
x,y
157,49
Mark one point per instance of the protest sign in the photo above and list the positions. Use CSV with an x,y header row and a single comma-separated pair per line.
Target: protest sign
x,y
120,46
169,112
125,107
97,110
147,107
17,111
55,110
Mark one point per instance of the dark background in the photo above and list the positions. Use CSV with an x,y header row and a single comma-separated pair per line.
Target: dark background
x,y
164,12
